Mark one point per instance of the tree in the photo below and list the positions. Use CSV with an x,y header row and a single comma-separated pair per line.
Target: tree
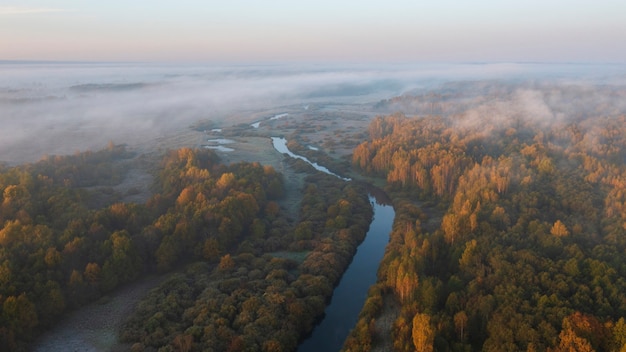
x,y
53,257
451,227
619,335
303,231
186,196
559,229
92,273
226,262
225,181
470,257
210,249
168,253
423,333
460,322
183,342
569,342
21,315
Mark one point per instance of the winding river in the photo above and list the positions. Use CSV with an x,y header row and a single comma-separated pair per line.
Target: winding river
x,y
94,327
349,296
280,144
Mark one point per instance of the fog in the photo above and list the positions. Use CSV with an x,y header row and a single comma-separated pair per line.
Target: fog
x,y
61,108
541,100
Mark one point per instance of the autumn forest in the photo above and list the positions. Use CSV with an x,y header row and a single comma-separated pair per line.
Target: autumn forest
x,y
509,234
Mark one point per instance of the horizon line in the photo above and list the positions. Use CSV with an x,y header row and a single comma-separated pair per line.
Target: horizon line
x,y
278,63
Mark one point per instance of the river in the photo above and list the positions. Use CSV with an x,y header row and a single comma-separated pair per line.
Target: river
x,y
94,327
280,144
350,295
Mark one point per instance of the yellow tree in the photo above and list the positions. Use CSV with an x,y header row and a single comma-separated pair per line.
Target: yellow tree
x,y
423,333
559,229
569,341
451,227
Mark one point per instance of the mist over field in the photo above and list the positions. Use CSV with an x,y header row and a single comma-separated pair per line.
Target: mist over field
x,y
61,108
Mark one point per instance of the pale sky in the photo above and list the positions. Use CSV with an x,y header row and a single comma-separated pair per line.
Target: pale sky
x,y
252,31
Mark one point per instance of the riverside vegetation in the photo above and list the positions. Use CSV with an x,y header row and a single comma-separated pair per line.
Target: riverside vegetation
x,y
257,279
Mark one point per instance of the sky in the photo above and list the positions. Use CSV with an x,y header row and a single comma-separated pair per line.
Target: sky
x,y
252,31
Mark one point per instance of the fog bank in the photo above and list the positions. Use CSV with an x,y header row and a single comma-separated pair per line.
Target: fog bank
x,y
61,108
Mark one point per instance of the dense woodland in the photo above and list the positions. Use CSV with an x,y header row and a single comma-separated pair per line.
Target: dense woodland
x,y
266,295
509,234
58,251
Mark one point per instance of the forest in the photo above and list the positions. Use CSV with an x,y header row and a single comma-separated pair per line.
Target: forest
x,y
509,234
241,274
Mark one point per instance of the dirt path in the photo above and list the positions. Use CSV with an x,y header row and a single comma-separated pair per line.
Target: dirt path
x,y
94,328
